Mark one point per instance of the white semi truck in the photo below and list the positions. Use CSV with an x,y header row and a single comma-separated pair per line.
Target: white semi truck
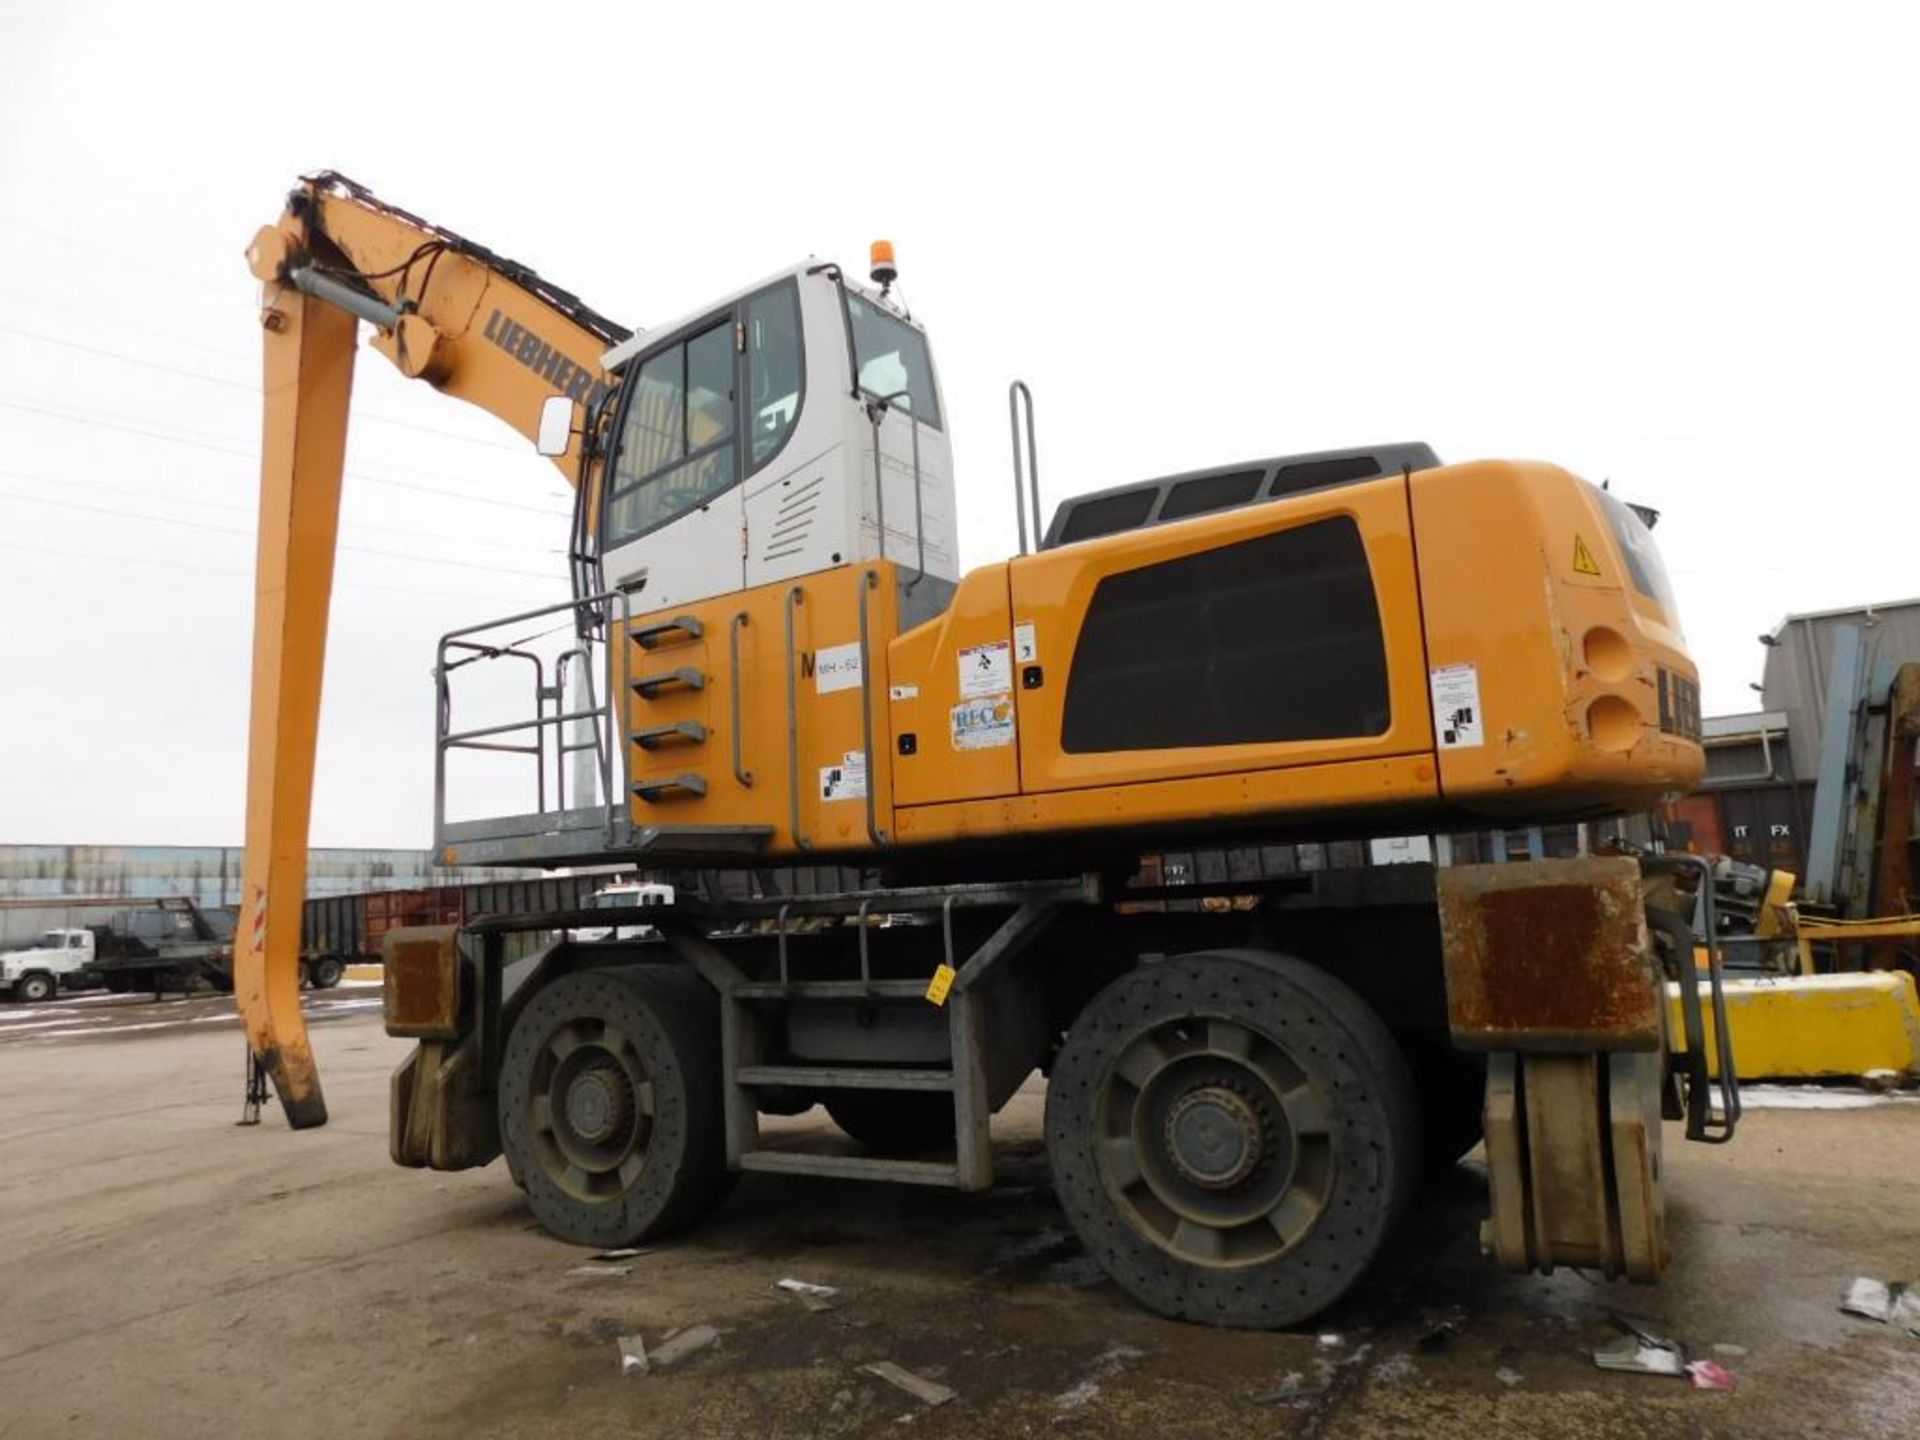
x,y
58,960
167,944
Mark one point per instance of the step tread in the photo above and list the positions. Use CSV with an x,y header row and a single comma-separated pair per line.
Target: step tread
x,y
650,738
843,1077
854,1167
648,685
651,790
649,637
831,990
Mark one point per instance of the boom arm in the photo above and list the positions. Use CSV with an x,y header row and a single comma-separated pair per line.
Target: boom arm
x,y
473,325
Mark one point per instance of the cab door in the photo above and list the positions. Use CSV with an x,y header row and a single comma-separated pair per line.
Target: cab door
x,y
672,523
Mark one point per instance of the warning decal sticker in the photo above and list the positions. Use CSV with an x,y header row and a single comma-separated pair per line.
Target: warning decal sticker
x,y
1457,721
847,780
1583,560
1026,649
986,669
983,723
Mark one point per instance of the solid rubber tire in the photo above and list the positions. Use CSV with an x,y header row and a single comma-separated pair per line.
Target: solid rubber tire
x,y
1344,1049
673,1018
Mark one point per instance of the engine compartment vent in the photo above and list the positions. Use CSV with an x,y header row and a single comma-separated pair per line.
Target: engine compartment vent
x,y
1228,487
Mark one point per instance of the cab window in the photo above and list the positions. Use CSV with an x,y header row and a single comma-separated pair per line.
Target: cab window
x,y
890,356
676,444
776,371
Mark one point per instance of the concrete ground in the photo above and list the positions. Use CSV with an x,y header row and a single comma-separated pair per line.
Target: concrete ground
x,y
164,1273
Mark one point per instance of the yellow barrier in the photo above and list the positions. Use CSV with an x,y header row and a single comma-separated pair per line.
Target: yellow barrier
x,y
1809,1026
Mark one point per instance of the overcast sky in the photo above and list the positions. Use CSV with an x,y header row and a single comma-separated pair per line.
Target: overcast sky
x,y
1672,246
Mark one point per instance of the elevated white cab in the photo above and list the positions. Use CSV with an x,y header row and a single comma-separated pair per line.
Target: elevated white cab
x,y
742,449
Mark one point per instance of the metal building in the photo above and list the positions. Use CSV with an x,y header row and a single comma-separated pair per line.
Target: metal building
x,y
1758,800
209,875
1800,661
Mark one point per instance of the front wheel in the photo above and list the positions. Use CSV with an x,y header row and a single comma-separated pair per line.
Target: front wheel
x,y
35,987
1232,1135
610,1111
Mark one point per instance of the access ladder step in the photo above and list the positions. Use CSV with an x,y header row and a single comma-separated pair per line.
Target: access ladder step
x,y
677,631
654,736
853,1167
648,686
832,1077
652,791
830,990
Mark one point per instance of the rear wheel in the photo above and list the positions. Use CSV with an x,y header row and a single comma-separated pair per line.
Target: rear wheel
x,y
610,1111
1232,1135
327,972
35,987
905,1122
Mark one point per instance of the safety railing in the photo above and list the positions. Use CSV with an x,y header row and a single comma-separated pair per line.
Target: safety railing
x,y
542,737
1019,400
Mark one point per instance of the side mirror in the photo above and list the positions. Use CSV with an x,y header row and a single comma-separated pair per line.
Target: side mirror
x,y
556,426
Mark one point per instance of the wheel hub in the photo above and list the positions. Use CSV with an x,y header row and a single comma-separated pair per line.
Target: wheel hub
x,y
1214,1141
1214,1137
599,1102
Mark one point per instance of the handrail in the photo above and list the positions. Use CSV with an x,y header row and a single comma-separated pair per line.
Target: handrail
x,y
456,739
795,596
875,409
1016,392
734,626
1702,1123
875,834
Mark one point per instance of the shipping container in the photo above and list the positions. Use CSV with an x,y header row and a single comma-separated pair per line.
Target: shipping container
x,y
1758,824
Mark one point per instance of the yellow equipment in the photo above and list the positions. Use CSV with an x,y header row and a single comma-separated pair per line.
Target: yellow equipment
x,y
1817,1027
795,671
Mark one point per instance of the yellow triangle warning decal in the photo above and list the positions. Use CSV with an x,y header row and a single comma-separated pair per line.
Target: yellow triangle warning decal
x,y
1583,560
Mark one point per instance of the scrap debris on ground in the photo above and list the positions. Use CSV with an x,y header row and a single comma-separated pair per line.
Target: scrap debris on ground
x,y
1892,1302
929,1392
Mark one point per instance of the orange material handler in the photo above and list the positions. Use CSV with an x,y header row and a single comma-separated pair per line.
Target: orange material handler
x,y
779,685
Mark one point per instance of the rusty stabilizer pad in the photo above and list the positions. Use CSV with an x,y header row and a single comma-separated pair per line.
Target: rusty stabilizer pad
x,y
1573,1164
438,1116
420,990
1549,955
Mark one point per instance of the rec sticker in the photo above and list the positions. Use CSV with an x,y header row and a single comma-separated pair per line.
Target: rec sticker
x,y
986,669
983,723
1457,718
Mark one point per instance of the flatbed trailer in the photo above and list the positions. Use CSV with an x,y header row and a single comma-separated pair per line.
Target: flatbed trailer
x,y
341,930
